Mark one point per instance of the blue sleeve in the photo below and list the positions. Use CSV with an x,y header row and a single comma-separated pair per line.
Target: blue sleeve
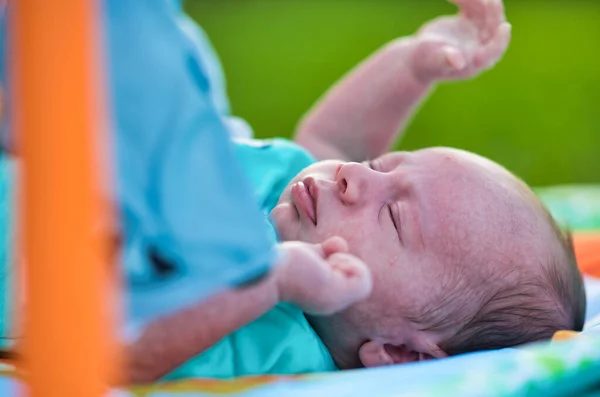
x,y
189,220
191,225
210,63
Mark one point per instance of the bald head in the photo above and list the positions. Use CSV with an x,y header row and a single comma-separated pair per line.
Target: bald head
x,y
516,262
463,255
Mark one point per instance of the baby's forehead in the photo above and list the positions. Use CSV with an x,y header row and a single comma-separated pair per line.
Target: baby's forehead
x,y
478,209
470,201
468,160
444,159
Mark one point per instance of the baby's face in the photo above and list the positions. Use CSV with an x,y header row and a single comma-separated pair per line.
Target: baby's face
x,y
408,215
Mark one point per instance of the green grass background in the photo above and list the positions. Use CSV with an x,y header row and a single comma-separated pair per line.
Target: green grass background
x,y
537,112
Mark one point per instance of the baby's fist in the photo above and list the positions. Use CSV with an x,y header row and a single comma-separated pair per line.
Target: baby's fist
x,y
322,278
464,45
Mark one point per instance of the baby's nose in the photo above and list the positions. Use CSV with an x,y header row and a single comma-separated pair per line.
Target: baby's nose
x,y
353,182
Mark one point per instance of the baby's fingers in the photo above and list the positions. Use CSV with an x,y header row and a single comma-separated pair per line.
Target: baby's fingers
x,y
472,9
333,245
485,15
352,278
498,12
490,53
496,16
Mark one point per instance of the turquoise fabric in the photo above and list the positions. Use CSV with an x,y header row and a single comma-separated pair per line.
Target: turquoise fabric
x,y
269,165
6,231
281,341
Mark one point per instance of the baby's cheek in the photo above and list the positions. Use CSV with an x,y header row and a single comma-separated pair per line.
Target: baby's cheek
x,y
356,236
285,220
373,247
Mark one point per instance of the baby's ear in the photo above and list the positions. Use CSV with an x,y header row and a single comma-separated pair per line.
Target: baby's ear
x,y
377,354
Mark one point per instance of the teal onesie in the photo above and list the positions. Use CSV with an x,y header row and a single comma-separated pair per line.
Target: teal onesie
x,y
281,341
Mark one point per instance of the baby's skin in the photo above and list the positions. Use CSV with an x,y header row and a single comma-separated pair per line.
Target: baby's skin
x,y
432,226
403,204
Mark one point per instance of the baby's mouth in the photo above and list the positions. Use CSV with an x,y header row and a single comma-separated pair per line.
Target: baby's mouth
x,y
313,191
303,195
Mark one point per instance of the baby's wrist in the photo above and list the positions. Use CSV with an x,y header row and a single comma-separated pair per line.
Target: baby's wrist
x,y
278,273
289,274
406,50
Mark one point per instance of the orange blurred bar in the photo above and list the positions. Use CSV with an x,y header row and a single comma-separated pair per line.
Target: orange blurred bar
x,y
587,251
55,64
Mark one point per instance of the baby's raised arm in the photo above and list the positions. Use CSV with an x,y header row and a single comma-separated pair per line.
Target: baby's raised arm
x,y
362,115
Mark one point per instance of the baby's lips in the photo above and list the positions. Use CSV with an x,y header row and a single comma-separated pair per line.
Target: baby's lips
x,y
303,200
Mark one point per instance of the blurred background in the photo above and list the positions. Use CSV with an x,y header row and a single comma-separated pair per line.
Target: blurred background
x,y
537,112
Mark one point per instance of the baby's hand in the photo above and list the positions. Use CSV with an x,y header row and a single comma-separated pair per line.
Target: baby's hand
x,y
464,45
322,278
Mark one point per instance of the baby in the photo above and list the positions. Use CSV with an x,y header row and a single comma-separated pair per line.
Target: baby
x,y
392,258
463,255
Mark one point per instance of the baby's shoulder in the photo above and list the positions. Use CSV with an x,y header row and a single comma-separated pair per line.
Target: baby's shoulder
x,y
269,165
274,146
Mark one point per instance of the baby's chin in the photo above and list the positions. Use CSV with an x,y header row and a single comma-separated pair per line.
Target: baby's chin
x,y
284,220
284,216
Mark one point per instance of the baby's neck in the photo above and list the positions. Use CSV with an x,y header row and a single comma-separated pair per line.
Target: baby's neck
x,y
343,350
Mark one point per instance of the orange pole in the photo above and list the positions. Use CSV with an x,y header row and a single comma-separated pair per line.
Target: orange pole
x,y
57,108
